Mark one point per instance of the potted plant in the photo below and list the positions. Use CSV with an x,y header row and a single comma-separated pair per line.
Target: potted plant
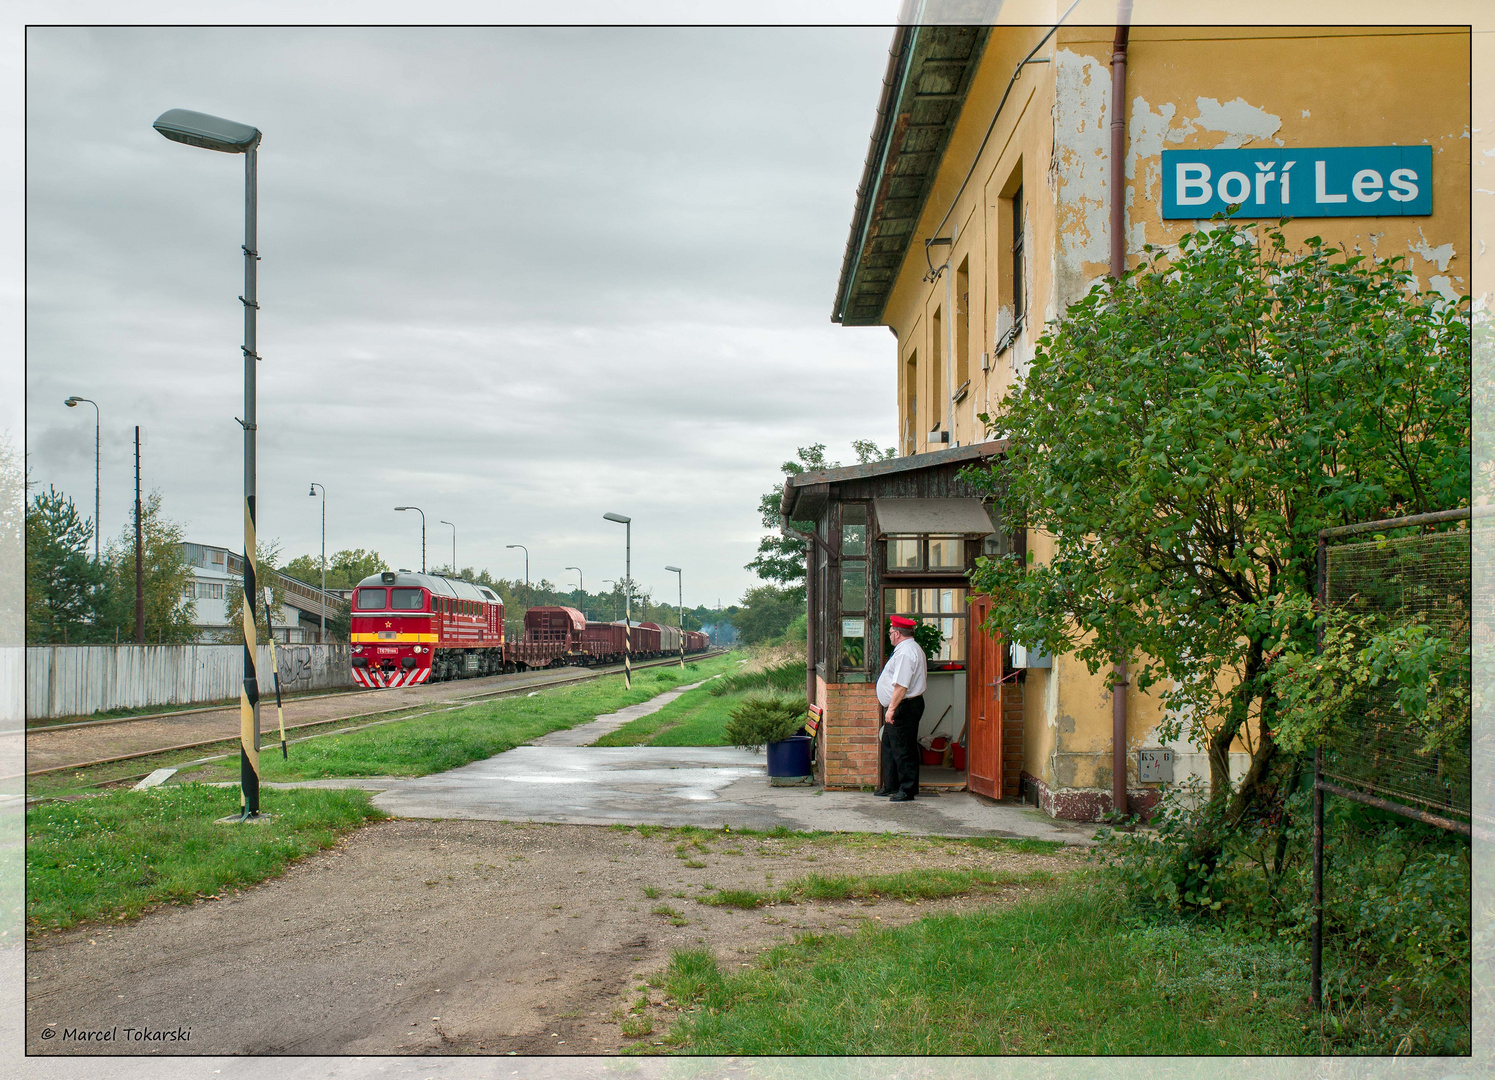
x,y
926,635
777,722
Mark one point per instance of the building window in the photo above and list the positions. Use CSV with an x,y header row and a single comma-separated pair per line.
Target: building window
x,y
904,553
947,553
944,607
854,586
911,402
962,325
941,396
1017,257
217,557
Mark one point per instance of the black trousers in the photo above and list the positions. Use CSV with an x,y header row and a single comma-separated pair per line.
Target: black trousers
x,y
900,748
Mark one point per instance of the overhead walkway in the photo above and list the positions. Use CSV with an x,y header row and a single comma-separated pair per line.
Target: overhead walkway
x,y
308,599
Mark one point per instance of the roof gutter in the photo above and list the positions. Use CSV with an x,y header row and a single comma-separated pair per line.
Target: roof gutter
x,y
899,55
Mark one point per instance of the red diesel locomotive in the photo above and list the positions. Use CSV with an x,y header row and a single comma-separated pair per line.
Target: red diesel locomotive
x,y
414,628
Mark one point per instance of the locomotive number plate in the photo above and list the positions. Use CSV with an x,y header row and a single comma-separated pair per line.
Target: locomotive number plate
x,y
389,652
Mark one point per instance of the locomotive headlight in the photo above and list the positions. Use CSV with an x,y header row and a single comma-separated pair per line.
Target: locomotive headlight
x,y
358,648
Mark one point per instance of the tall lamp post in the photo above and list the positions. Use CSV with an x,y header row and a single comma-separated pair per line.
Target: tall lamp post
x,y
422,514
229,137
323,599
581,586
680,587
454,546
627,523
524,549
71,403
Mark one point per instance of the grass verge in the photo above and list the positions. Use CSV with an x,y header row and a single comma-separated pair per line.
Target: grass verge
x,y
1063,975
113,855
908,885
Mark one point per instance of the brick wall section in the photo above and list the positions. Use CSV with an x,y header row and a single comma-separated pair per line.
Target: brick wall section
x,y
852,716
1012,740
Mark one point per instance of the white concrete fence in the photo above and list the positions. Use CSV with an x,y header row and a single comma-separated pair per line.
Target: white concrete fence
x,y
77,680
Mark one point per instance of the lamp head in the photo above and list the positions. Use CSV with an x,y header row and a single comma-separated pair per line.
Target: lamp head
x,y
618,518
674,569
404,507
208,132
313,491
72,401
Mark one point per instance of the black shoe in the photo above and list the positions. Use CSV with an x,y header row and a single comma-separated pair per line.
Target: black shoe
x,y
900,797
880,793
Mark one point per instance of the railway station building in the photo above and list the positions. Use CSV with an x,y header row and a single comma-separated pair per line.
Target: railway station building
x,y
1009,169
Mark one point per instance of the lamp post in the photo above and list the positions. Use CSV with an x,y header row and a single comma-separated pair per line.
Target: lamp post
x,y
71,403
229,137
680,587
627,523
422,514
454,546
322,600
521,547
582,585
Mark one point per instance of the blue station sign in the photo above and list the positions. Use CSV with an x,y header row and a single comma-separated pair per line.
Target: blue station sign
x,y
1299,182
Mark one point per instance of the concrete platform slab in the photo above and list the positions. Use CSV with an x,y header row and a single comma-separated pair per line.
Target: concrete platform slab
x,y
705,786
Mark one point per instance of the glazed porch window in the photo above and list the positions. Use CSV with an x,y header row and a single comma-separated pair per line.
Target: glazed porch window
x,y
905,553
947,553
406,600
371,599
941,607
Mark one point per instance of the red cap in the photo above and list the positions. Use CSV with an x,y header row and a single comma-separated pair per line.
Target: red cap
x,y
902,623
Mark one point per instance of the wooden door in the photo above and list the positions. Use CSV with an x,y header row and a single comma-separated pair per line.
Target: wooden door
x,y
984,705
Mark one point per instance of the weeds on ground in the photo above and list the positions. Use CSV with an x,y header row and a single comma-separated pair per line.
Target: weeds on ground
x,y
113,855
999,981
1397,912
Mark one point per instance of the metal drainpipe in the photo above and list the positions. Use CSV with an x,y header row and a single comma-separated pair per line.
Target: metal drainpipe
x,y
1118,267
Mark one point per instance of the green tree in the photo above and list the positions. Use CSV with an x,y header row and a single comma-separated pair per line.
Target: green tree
x,y
62,580
166,577
265,563
345,569
766,612
780,558
1184,433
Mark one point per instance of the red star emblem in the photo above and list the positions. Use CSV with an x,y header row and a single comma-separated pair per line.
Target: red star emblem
x,y
387,625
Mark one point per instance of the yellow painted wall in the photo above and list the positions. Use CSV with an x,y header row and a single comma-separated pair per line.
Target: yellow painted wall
x,y
1187,87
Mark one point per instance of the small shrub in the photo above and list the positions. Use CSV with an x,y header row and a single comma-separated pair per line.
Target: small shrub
x,y
765,718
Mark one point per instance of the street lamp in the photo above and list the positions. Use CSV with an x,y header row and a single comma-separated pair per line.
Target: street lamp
x,y
526,562
454,546
71,403
582,586
323,599
627,523
422,514
229,137
680,586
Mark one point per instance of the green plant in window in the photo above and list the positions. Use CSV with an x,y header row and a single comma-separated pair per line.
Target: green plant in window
x,y
853,652
926,635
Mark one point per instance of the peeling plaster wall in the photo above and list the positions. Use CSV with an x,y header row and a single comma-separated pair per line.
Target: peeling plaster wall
x,y
1079,171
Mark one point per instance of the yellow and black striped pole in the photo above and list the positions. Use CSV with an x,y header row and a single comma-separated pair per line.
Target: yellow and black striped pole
x,y
249,695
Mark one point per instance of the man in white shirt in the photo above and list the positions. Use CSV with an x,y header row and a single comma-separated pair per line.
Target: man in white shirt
x,y
900,691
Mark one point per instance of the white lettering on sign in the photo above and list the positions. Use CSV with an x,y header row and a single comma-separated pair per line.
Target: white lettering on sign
x,y
1263,178
1402,180
1285,193
1321,181
1193,184
1367,185
1234,187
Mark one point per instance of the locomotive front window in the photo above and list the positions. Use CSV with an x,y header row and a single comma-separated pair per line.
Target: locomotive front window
x,y
406,600
370,599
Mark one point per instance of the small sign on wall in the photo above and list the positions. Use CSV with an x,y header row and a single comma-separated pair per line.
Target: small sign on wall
x,y
1155,766
1299,182
812,722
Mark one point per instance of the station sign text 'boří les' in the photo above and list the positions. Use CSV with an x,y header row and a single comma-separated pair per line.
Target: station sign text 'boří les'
x,y
1299,182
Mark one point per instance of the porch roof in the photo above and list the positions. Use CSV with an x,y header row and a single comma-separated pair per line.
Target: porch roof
x,y
806,494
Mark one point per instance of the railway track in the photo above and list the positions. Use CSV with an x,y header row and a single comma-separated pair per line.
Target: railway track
x,y
91,743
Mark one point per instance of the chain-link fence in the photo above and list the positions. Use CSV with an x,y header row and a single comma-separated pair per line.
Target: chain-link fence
x,y
1399,587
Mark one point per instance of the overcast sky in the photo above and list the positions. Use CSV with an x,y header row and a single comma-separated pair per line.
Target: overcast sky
x,y
516,277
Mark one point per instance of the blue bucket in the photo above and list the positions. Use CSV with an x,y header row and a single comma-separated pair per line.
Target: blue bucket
x,y
791,756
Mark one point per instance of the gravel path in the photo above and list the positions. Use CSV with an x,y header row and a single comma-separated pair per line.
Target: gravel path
x,y
452,937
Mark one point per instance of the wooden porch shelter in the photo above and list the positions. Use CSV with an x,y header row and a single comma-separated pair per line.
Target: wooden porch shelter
x,y
900,537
